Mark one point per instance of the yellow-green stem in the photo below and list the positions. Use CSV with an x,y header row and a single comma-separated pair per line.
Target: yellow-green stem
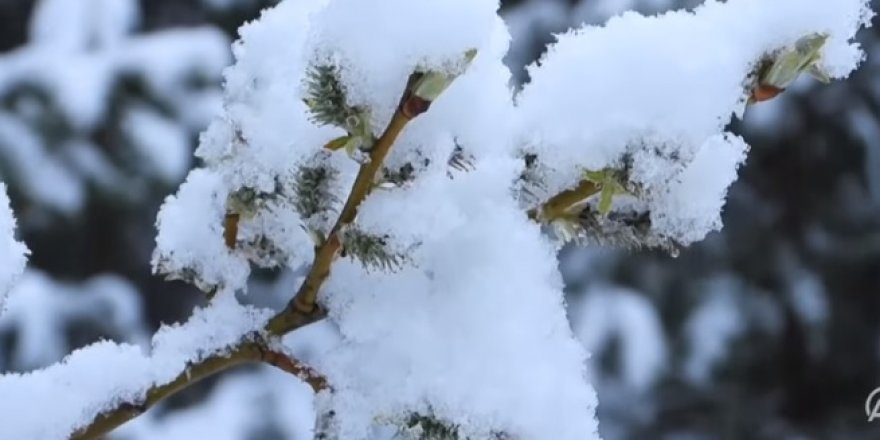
x,y
560,204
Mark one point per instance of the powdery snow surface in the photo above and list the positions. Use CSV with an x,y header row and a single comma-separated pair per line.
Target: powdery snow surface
x,y
53,402
379,43
475,333
13,253
191,229
660,91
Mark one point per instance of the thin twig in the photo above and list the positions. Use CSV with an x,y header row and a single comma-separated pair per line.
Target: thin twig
x,y
559,205
304,305
230,229
254,351
289,364
302,310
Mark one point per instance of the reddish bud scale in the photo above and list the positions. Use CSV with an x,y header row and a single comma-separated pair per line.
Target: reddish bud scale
x,y
414,106
765,93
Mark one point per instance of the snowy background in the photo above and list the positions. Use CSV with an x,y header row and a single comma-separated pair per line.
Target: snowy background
x,y
769,329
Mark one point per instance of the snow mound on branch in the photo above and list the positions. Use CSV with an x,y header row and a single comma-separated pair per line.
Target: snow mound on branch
x,y
379,43
190,240
656,93
267,133
483,347
54,402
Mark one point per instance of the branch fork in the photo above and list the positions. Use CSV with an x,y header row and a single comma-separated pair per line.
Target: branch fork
x,y
303,309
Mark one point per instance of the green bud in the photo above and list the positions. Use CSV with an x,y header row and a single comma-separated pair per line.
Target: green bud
x,y
609,182
432,84
789,64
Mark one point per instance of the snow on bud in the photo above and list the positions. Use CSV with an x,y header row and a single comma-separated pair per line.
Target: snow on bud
x,y
425,87
637,93
432,84
787,66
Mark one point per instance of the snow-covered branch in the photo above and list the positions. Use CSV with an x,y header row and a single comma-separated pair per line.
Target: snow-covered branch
x,y
421,90
444,293
253,349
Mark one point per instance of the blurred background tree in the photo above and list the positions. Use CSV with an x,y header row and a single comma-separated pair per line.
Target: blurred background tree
x,y
769,329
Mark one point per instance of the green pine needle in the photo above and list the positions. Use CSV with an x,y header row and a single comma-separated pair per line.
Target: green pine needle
x,y
313,187
371,251
326,97
627,230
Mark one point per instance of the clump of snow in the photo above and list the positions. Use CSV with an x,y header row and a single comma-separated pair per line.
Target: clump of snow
x,y
421,209
267,134
657,92
377,55
190,242
253,153
485,347
265,89
54,402
690,203
13,253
